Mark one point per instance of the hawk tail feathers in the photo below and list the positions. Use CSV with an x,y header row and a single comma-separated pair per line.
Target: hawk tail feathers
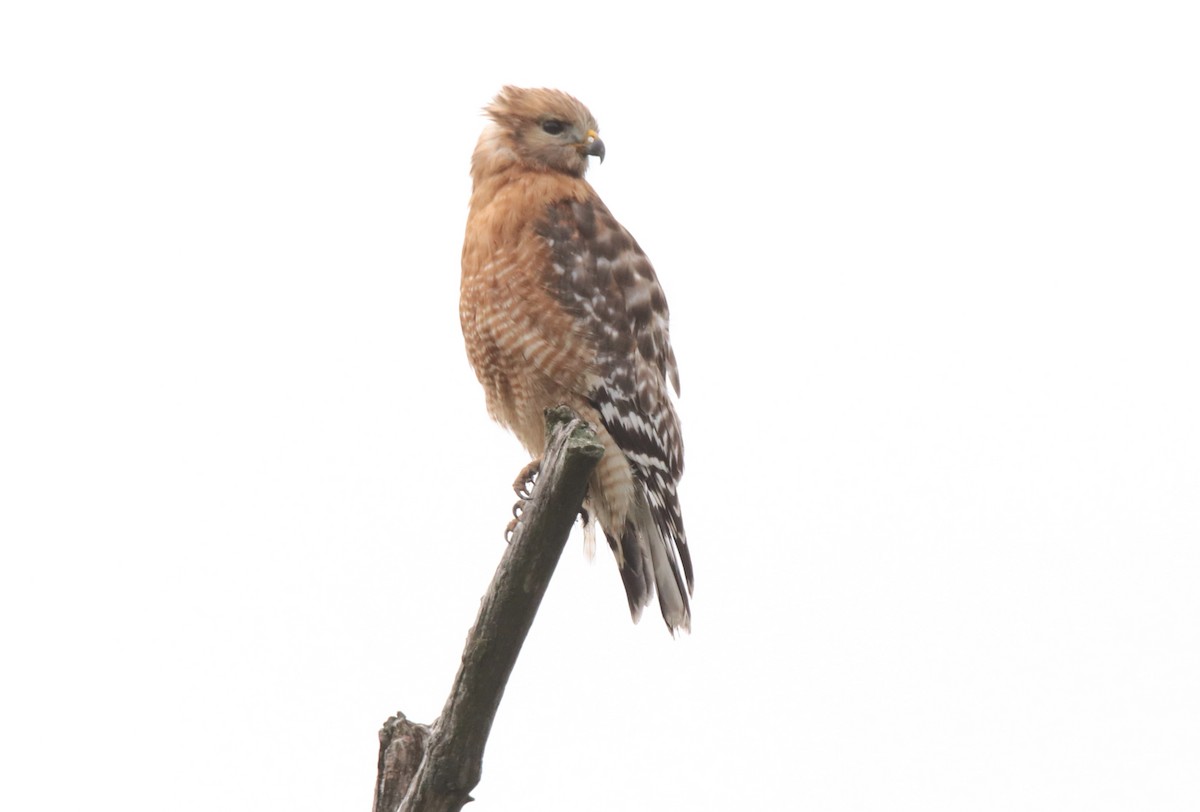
x,y
649,564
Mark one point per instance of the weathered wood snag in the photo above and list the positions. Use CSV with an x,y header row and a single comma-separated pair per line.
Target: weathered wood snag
x,y
434,769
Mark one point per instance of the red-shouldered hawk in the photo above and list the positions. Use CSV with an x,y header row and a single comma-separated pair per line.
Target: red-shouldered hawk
x,y
560,305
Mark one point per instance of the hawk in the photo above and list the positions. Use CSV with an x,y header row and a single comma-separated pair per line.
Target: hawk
x,y
559,305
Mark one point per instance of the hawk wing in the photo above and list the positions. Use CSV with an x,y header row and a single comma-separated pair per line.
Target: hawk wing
x,y
602,278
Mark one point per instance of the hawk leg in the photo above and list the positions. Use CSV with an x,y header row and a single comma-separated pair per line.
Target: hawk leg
x,y
523,487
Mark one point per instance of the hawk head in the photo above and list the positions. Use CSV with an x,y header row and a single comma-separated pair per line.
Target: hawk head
x,y
546,129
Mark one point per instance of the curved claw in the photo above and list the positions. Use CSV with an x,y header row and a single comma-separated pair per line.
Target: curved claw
x,y
517,509
524,483
523,486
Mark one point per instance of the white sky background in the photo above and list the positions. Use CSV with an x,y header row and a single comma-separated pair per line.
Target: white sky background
x,y
933,279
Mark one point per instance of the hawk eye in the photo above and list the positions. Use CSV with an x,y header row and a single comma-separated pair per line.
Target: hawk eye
x,y
553,126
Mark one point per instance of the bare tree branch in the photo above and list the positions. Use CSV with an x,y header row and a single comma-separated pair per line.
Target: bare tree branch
x,y
453,750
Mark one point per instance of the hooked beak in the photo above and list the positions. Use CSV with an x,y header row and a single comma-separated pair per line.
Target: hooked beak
x,y
594,146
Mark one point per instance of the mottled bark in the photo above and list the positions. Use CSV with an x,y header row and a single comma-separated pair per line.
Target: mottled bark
x,y
450,753
401,748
